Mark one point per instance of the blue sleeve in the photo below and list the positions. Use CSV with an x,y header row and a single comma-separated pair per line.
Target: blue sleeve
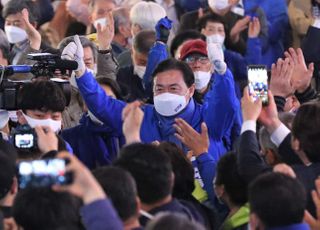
x,y
207,169
220,106
157,54
253,54
277,27
100,215
105,108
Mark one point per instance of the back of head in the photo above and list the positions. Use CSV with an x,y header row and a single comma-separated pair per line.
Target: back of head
x,y
41,95
143,41
120,187
227,175
41,208
150,168
146,15
182,169
277,200
7,173
114,86
16,6
173,221
173,64
8,150
120,17
306,128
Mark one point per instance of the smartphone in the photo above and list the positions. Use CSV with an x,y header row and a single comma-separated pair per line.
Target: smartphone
x,y
43,173
258,82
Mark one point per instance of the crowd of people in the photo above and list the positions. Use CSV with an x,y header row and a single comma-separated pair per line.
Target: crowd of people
x,y
149,105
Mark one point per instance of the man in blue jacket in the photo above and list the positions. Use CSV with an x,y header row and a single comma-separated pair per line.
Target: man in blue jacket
x,y
173,91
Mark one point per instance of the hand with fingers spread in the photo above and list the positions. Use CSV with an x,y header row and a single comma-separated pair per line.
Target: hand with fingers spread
x,y
33,34
197,142
302,75
132,117
84,185
281,78
254,28
269,115
240,26
47,139
105,33
74,52
314,223
250,108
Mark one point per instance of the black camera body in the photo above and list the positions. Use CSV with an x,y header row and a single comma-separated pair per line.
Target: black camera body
x,y
24,137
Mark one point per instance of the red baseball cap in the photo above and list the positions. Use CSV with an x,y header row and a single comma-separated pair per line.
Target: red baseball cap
x,y
193,46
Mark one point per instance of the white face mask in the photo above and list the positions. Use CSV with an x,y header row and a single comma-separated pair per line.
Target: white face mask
x,y
94,119
15,34
54,125
4,118
139,70
201,79
216,38
218,4
101,21
169,104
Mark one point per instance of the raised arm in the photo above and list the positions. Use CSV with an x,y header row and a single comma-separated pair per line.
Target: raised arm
x,y
105,108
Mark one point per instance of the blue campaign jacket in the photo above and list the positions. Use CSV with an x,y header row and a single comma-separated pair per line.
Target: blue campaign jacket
x,y
218,113
93,144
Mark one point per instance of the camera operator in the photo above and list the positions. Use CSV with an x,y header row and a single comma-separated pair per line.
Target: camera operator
x,y
41,103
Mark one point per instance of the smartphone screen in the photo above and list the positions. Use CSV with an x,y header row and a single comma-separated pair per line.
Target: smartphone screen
x,y
43,173
258,82
24,141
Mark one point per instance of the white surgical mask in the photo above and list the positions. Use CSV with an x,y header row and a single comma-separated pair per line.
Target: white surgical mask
x,y
54,125
218,4
216,38
169,104
15,34
94,119
139,70
4,118
201,79
101,21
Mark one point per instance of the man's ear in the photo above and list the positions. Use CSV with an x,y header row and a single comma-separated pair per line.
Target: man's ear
x,y
21,119
14,186
255,223
295,144
191,90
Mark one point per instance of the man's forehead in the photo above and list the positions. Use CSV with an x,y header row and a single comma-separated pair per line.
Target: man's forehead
x,y
14,17
169,77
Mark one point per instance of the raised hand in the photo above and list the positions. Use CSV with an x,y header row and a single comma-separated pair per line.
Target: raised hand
x,y
251,108
132,117
163,28
314,223
281,78
198,143
254,28
240,26
105,33
47,139
302,75
33,34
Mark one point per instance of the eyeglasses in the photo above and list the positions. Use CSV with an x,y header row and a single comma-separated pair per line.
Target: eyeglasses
x,y
193,59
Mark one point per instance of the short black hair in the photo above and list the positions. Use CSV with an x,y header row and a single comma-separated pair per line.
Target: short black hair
x,y
277,199
143,41
306,128
85,42
173,64
16,6
228,176
150,168
42,208
182,169
43,95
121,188
170,221
8,149
112,84
202,22
7,173
184,36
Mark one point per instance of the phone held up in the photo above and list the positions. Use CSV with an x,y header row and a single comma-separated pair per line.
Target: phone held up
x,y
258,82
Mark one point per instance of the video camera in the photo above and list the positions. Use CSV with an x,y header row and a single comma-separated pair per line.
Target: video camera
x,y
46,65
